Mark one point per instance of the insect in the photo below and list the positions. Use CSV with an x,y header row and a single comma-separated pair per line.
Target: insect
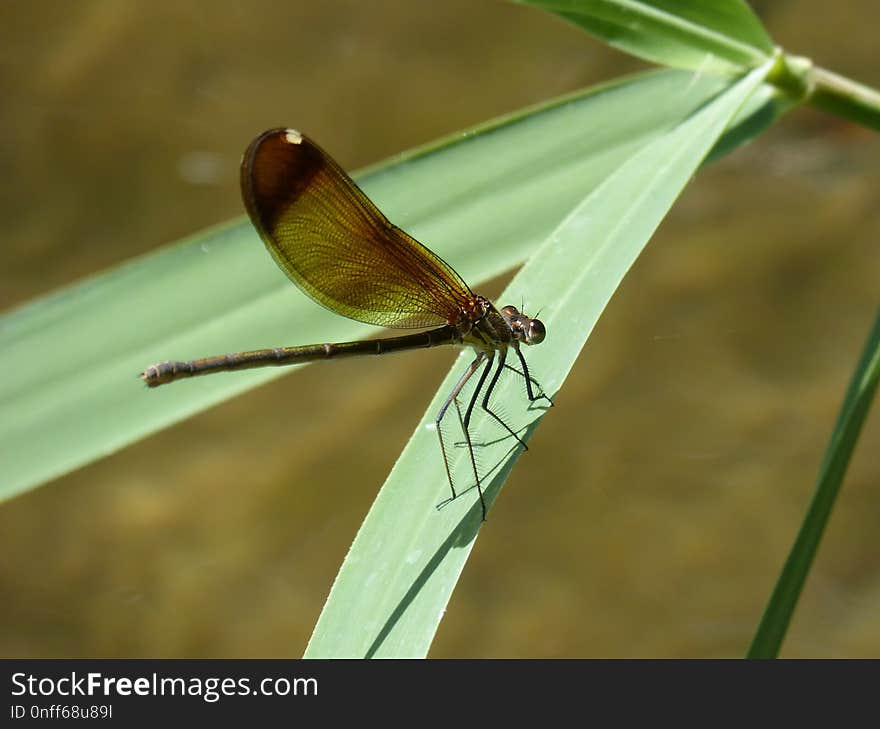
x,y
340,250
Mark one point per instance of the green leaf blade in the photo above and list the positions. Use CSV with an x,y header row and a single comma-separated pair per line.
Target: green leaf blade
x,y
718,37
405,561
853,412
483,201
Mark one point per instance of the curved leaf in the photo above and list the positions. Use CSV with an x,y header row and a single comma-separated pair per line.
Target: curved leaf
x,y
723,36
482,199
393,587
853,412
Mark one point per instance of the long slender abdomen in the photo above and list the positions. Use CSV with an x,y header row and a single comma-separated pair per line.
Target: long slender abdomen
x,y
165,372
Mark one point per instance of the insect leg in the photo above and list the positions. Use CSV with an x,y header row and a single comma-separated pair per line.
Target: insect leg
x,y
472,367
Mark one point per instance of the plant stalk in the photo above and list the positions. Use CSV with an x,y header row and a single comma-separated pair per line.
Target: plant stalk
x,y
859,397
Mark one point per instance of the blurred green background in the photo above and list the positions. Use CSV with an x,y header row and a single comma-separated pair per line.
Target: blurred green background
x,y
658,500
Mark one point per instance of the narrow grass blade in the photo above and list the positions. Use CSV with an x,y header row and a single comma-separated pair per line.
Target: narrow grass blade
x,y
482,199
394,585
723,36
859,397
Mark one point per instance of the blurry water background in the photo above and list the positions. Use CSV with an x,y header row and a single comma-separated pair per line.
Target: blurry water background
x,y
658,500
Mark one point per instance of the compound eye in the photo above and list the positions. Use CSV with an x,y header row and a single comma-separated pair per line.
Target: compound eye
x,y
509,311
536,332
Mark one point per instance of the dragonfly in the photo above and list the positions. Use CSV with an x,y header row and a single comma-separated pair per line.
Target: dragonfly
x,y
340,250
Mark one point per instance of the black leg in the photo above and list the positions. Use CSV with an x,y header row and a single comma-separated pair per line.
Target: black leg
x,y
519,372
470,408
489,359
528,379
467,437
465,427
468,373
485,403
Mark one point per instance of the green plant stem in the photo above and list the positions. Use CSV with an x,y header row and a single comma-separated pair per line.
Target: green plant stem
x,y
841,96
856,405
802,81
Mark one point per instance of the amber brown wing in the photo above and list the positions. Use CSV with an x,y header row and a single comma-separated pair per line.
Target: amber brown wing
x,y
336,245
